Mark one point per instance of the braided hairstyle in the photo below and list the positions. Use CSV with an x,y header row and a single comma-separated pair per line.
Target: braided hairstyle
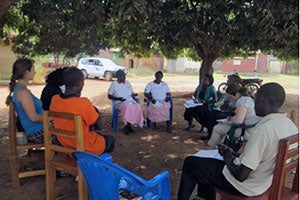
x,y
20,66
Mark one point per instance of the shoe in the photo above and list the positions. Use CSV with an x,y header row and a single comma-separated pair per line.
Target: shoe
x,y
153,126
189,127
130,129
36,138
60,174
126,130
169,129
205,137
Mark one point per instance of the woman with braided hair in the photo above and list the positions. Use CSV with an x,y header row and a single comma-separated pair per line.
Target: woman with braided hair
x,y
28,107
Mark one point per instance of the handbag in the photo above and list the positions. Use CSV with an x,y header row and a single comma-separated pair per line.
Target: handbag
x,y
236,142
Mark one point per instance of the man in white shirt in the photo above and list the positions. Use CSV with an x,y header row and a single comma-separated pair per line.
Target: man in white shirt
x,y
250,173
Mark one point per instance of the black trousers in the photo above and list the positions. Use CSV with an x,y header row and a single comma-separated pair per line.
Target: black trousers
x,y
109,143
207,174
198,112
212,117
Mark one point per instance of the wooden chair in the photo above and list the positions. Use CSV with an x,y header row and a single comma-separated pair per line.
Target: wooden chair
x,y
17,161
58,158
287,161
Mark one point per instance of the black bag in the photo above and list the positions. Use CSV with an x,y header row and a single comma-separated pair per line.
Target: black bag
x,y
236,142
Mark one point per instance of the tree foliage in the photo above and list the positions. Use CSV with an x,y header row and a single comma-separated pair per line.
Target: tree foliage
x,y
203,30
206,30
61,27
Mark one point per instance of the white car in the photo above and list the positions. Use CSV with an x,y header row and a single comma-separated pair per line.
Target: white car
x,y
99,67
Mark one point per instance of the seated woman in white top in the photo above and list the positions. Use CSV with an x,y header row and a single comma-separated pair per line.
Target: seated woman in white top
x,y
158,110
244,114
131,112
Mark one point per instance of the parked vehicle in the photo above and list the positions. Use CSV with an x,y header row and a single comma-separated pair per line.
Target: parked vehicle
x,y
251,84
99,67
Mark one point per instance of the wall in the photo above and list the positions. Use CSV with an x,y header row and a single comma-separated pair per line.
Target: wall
x,y
239,64
184,65
262,63
155,62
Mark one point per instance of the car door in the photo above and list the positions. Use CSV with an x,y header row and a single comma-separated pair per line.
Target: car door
x,y
99,68
92,68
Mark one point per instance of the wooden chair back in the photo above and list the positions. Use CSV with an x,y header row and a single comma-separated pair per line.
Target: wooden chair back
x,y
57,157
15,160
287,162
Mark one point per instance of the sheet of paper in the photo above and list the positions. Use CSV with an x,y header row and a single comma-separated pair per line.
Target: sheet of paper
x,y
219,109
190,103
222,120
209,154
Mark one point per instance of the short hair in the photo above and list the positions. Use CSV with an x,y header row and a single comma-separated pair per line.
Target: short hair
x,y
210,78
159,72
273,93
72,76
120,73
56,77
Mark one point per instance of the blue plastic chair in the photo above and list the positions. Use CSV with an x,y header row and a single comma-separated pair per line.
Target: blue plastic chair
x,y
171,111
105,179
115,114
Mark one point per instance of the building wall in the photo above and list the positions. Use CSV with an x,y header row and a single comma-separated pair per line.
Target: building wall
x,y
185,65
239,65
262,63
154,62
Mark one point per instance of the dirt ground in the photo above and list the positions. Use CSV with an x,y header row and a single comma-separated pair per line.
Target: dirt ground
x,y
145,152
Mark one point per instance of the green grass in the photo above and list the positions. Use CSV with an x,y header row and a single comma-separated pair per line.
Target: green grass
x,y
287,81
141,72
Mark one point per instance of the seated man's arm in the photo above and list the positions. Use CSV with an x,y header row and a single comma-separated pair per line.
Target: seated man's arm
x,y
239,171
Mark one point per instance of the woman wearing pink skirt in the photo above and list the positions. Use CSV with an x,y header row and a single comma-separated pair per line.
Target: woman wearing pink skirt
x,y
131,112
158,110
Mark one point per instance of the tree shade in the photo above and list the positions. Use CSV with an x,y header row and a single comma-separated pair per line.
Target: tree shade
x,y
202,30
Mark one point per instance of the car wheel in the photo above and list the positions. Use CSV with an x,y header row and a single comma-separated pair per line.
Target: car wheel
x,y
85,74
108,76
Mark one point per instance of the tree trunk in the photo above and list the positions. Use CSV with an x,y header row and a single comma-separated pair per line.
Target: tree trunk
x,y
56,60
206,67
